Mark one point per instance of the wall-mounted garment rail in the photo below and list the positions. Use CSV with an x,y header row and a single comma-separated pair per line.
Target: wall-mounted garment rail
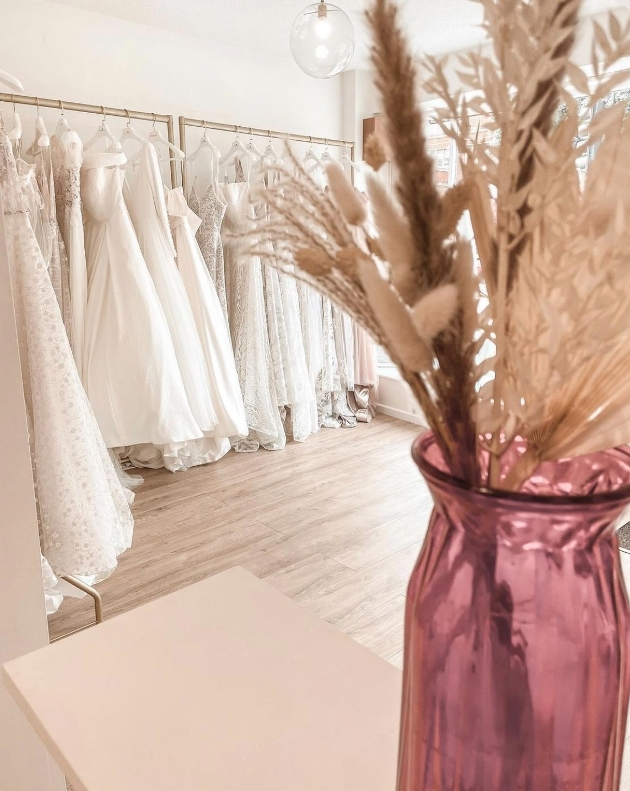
x,y
98,109
267,133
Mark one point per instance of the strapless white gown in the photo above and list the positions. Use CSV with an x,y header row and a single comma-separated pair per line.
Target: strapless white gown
x,y
209,318
131,372
147,207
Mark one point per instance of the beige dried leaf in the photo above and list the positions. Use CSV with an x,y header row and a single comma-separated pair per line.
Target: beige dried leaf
x,y
480,208
348,200
468,290
394,318
577,77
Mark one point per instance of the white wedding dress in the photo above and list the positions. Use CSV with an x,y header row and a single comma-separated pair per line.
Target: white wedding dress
x,y
209,319
210,208
132,376
53,249
248,327
85,521
67,157
147,206
296,392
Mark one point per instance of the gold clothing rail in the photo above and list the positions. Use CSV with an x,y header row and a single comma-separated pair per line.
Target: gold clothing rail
x,y
258,132
98,109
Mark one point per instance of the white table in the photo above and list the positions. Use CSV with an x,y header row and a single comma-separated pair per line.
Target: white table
x,y
224,686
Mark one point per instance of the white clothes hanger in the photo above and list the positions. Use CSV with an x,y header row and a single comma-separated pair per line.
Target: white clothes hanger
x,y
311,156
62,124
103,131
41,140
205,144
253,149
345,157
237,148
129,133
15,135
10,81
270,152
326,157
157,138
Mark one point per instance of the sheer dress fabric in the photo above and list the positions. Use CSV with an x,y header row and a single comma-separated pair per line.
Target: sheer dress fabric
x,y
85,521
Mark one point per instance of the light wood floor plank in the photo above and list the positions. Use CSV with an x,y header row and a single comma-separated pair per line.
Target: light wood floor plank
x,y
380,629
335,523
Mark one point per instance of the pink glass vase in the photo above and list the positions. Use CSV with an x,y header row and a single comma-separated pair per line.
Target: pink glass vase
x,y
517,633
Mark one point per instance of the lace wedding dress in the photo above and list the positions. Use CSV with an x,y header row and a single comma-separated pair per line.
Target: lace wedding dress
x,y
248,326
57,261
211,325
210,209
337,374
85,521
67,156
294,388
132,376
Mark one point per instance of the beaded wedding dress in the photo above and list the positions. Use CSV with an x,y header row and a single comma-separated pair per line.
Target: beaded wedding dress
x,y
294,389
132,376
209,319
248,327
85,521
210,208
55,251
67,157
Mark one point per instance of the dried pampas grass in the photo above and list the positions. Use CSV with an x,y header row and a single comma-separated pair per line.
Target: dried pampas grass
x,y
523,330
394,318
394,238
396,82
375,152
347,199
434,312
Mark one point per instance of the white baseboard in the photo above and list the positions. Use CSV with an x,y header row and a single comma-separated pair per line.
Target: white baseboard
x,y
400,414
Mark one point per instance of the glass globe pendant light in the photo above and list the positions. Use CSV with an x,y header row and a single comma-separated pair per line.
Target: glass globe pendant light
x,y
322,40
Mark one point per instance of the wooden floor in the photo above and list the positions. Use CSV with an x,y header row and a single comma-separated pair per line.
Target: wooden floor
x,y
335,523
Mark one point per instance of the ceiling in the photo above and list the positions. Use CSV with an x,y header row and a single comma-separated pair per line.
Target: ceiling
x,y
435,26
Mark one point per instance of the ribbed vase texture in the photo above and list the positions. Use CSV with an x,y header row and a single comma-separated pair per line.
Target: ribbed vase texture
x,y
517,633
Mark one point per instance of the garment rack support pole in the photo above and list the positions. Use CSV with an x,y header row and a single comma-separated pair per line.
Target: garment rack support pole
x,y
170,133
182,145
96,597
267,133
97,109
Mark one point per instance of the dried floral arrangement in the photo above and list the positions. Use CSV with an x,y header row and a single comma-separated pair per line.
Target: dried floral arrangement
x,y
543,358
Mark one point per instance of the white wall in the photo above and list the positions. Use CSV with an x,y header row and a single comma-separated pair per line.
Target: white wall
x,y
62,52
